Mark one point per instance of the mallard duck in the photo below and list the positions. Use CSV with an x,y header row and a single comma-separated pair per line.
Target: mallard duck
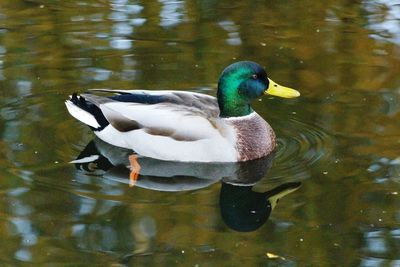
x,y
186,126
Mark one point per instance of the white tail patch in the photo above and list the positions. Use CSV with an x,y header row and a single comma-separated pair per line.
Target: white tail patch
x,y
86,159
81,115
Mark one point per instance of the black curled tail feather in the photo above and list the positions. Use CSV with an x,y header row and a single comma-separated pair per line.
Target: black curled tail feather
x,y
82,103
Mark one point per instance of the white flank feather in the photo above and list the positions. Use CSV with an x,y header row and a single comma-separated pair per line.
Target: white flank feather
x,y
81,114
112,136
162,116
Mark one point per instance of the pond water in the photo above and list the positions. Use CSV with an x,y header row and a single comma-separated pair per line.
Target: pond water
x,y
336,169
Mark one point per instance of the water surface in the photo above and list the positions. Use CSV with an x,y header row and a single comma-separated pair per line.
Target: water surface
x,y
340,139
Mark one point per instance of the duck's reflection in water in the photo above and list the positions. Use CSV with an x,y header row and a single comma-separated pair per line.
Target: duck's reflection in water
x,y
245,200
245,210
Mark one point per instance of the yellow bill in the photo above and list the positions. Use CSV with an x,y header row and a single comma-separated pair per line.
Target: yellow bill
x,y
281,91
274,195
274,199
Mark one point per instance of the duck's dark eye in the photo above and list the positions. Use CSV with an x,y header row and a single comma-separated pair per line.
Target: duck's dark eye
x,y
254,76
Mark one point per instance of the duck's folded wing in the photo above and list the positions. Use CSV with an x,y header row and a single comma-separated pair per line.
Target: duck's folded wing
x,y
200,103
178,115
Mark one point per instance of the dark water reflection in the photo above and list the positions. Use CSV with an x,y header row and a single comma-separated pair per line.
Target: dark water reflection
x,y
340,139
245,203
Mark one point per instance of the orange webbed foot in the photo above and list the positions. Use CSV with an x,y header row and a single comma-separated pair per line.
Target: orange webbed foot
x,y
135,170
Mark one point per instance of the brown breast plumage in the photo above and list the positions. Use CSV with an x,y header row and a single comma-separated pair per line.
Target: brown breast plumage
x,y
255,137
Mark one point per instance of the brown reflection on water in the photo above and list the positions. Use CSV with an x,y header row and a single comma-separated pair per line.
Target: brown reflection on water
x,y
341,137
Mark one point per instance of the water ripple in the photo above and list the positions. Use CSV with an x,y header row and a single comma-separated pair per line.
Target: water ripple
x,y
300,147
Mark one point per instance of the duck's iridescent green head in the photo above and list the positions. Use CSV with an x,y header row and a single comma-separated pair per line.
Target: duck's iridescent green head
x,y
242,82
